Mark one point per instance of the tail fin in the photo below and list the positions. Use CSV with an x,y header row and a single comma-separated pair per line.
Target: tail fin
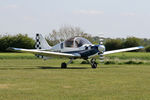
x,y
41,43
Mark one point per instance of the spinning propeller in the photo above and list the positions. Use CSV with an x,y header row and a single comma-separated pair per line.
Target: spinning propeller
x,y
101,48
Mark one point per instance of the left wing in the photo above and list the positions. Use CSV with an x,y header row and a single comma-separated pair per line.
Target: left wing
x,y
47,53
123,50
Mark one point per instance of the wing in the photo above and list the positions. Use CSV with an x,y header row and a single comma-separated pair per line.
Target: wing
x,y
123,50
47,53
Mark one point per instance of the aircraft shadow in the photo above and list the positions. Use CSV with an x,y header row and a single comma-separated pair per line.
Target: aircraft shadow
x,y
50,67
41,67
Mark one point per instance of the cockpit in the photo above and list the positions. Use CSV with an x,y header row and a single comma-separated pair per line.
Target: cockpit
x,y
76,42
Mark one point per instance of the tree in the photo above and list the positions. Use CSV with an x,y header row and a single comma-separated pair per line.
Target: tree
x,y
64,33
131,42
23,41
113,44
147,49
18,41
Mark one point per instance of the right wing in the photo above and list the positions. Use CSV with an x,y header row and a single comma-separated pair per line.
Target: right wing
x,y
47,53
123,50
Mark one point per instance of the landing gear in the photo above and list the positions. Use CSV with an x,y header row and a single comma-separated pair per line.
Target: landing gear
x,y
93,63
64,65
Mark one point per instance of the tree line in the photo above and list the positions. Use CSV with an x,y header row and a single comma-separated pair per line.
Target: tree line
x,y
18,41
56,36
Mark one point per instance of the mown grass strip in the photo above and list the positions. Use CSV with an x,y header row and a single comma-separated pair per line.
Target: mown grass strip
x,y
17,56
130,55
35,79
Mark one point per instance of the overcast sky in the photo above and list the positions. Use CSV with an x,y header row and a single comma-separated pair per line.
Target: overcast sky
x,y
114,18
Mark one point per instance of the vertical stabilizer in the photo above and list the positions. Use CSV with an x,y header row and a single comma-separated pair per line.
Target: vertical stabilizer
x,y
41,43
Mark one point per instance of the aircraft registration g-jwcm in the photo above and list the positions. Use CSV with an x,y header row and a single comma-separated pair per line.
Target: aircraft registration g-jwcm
x,y
73,48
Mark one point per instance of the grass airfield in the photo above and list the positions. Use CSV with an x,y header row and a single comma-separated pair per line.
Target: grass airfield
x,y
23,77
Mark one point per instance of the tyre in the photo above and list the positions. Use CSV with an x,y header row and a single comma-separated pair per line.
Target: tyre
x,y
63,65
94,65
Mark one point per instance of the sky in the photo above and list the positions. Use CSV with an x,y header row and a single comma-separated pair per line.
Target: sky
x,y
113,18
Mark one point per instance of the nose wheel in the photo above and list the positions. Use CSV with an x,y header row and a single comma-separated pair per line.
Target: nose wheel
x,y
93,63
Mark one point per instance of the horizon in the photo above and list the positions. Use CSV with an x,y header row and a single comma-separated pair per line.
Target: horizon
x,y
45,35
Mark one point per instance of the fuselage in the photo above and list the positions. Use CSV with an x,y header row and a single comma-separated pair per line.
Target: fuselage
x,y
78,45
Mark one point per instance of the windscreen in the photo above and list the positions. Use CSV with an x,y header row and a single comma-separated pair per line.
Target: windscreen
x,y
79,41
69,42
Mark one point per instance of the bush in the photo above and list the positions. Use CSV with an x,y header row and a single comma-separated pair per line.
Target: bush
x,y
72,62
113,44
109,62
134,62
131,42
147,49
18,41
84,62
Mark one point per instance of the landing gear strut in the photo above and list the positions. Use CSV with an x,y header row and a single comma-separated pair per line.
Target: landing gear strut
x,y
93,63
64,65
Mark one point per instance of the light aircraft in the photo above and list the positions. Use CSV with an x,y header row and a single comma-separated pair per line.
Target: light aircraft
x,y
73,48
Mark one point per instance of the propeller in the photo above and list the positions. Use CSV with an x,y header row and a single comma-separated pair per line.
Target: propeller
x,y
101,48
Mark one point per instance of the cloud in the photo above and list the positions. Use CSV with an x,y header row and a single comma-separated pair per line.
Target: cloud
x,y
128,14
89,12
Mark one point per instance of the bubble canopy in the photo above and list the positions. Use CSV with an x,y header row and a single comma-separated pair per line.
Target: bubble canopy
x,y
76,42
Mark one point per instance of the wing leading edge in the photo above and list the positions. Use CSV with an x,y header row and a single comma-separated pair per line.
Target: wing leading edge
x,y
123,50
48,53
68,55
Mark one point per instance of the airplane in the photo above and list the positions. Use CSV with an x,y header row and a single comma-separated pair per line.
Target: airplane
x,y
72,48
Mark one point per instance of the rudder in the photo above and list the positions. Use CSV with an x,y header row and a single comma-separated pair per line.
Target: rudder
x,y
41,43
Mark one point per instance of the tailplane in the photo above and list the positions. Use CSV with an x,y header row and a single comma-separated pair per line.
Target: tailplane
x,y
41,43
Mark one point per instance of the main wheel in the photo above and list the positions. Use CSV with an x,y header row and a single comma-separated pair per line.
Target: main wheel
x,y
94,65
63,65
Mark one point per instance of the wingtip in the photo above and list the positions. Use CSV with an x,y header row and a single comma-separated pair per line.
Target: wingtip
x,y
10,49
141,47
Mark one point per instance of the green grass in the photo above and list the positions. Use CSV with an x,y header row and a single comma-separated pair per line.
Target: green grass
x,y
128,58
28,78
121,56
130,55
17,56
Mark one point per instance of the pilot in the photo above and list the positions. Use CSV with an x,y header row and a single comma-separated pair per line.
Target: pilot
x,y
78,44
